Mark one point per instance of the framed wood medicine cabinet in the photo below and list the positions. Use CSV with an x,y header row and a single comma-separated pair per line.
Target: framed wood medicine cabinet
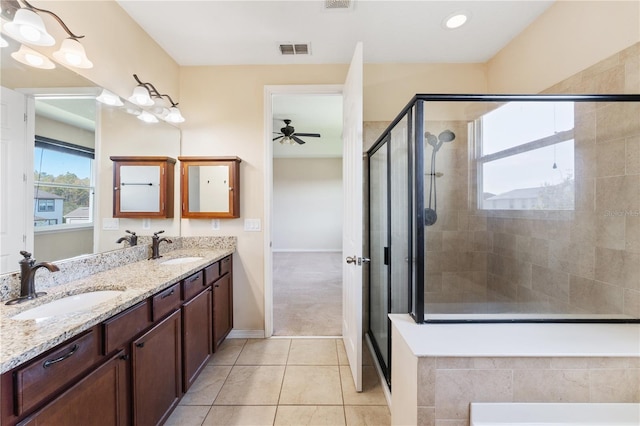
x,y
210,187
143,187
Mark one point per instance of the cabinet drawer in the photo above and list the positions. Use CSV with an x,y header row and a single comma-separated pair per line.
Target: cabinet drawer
x,y
192,285
212,273
123,327
166,301
59,367
225,265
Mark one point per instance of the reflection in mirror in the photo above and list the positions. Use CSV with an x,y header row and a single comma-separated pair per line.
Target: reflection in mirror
x,y
54,213
210,187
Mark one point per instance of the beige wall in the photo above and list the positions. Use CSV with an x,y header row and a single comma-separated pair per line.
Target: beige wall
x,y
64,132
307,204
58,245
116,45
567,38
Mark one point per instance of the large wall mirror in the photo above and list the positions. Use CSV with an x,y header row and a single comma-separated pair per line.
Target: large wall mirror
x,y
66,209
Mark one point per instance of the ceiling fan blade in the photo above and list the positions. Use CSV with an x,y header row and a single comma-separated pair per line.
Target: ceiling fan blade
x,y
279,137
297,139
313,135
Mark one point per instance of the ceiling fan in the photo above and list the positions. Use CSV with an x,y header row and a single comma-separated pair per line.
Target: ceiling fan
x,y
289,135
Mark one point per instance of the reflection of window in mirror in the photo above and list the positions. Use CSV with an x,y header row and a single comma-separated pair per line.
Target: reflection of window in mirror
x,y
210,187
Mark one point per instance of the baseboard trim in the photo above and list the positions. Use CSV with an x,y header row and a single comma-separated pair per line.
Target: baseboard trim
x,y
246,334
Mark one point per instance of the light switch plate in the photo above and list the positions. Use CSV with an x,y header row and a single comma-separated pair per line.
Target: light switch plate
x,y
215,224
110,224
146,223
252,225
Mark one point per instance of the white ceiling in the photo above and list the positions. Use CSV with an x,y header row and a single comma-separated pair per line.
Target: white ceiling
x,y
232,32
212,32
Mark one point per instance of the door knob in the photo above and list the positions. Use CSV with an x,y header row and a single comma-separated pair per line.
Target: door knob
x,y
351,259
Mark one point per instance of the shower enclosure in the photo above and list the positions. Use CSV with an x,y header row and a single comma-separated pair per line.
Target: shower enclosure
x,y
505,208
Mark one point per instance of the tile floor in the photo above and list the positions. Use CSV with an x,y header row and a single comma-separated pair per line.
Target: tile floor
x,y
282,381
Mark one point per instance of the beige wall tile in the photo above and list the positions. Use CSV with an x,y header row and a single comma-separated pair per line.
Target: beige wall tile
x,y
433,240
426,416
631,303
551,385
615,385
452,422
595,296
551,282
615,195
617,120
632,75
427,381
450,363
573,258
611,158
632,233
455,389
610,232
632,155
612,80
511,363
618,267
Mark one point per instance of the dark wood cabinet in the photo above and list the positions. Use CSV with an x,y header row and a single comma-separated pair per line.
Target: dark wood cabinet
x,y
98,399
222,309
197,335
143,187
156,364
133,367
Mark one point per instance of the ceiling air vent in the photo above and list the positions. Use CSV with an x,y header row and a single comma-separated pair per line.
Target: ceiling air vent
x,y
295,48
337,4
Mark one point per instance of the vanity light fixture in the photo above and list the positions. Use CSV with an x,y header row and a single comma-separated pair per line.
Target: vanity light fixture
x,y
144,94
28,27
456,20
108,98
32,58
147,117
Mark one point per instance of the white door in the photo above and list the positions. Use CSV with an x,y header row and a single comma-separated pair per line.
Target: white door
x,y
13,181
352,219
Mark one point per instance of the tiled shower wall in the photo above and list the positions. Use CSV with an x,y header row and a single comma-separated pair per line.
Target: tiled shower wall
x,y
588,262
585,261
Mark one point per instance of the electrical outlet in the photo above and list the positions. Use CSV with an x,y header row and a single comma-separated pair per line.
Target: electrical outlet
x,y
110,224
146,223
252,225
215,224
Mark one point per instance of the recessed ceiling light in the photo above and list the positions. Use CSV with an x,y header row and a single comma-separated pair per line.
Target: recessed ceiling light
x,y
456,20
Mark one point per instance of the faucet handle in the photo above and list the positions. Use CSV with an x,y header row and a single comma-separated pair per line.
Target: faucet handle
x,y
129,232
26,254
156,233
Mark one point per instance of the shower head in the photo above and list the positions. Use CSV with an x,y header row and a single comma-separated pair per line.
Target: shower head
x,y
446,136
431,139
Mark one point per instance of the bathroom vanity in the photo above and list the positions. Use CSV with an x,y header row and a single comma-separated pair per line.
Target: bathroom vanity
x,y
127,361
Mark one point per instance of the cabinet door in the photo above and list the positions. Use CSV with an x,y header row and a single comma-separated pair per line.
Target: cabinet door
x,y
222,309
99,399
196,335
157,371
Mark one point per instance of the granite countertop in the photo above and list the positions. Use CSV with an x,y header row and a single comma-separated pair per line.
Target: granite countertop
x,y
22,340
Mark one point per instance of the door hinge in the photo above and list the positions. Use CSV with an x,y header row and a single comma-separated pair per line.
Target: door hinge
x,y
26,117
24,238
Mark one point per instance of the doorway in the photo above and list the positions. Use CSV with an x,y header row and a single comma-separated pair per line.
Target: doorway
x,y
303,262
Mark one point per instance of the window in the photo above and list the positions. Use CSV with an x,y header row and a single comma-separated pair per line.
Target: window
x,y
46,205
525,158
63,192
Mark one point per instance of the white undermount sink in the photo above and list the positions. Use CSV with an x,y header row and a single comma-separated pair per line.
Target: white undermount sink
x,y
67,305
181,260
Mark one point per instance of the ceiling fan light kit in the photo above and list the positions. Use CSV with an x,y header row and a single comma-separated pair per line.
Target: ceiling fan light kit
x,y
289,136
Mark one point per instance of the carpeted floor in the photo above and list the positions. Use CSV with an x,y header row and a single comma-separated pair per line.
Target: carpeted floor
x,y
307,294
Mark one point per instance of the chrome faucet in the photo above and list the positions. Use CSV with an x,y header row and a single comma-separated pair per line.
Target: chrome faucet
x,y
155,244
131,239
28,268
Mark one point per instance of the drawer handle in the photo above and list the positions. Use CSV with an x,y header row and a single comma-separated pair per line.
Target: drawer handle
x,y
164,296
50,362
140,345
